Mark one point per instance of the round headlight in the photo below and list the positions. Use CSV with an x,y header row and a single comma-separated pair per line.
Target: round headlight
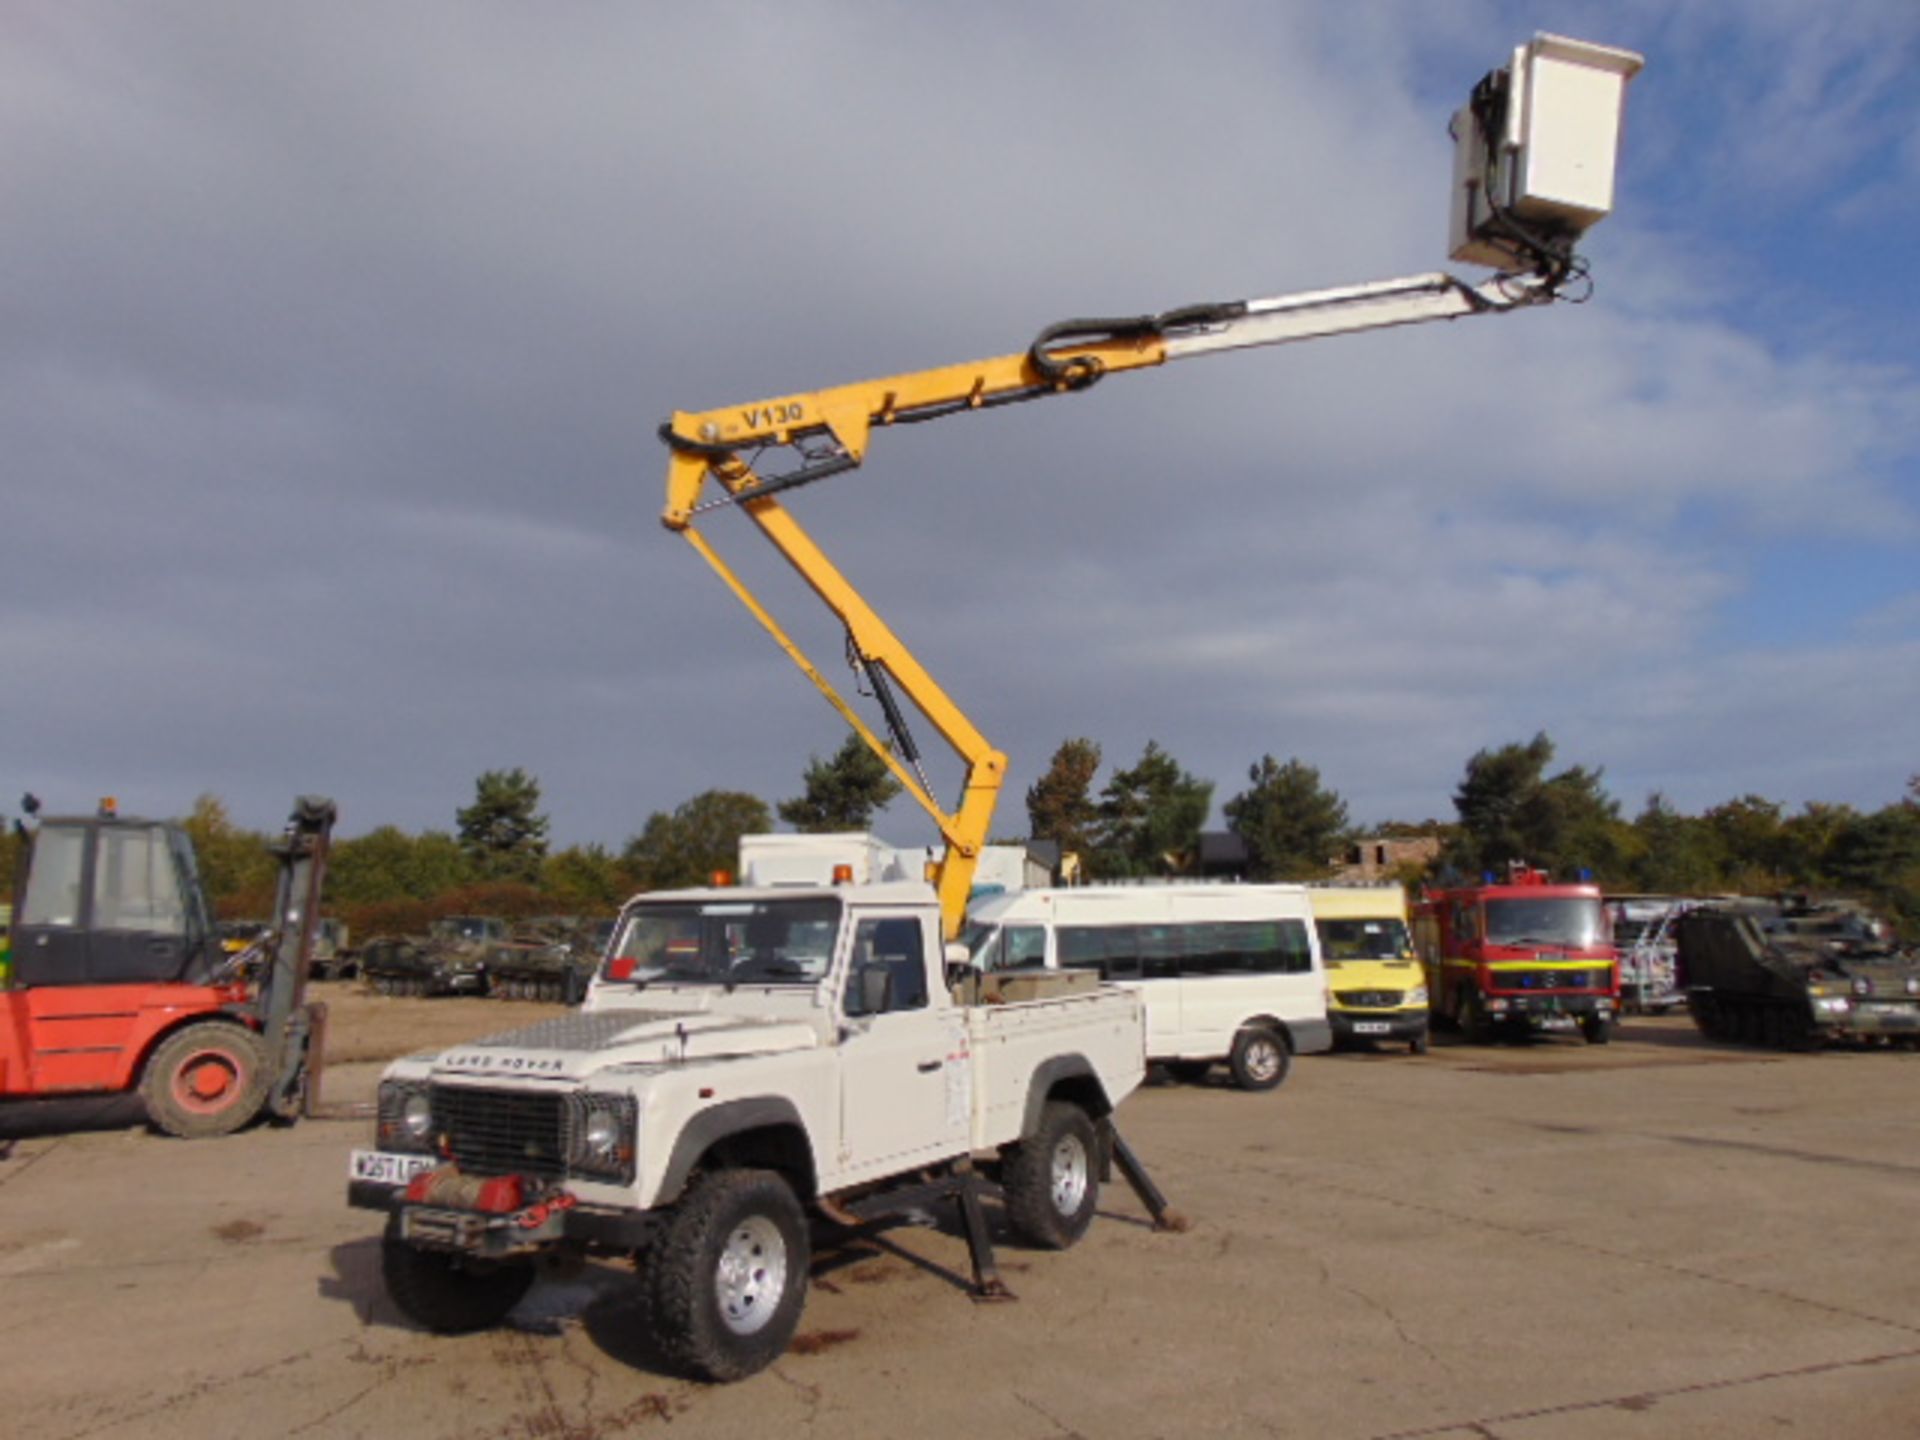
x,y
1862,985
602,1132
416,1116
1913,984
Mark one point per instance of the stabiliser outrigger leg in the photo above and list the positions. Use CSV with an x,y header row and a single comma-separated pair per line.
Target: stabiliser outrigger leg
x,y
964,1186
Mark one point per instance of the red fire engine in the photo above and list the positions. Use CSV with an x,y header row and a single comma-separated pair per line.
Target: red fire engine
x,y
1520,953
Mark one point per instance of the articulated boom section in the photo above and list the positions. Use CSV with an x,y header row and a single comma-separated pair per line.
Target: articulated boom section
x,y
830,431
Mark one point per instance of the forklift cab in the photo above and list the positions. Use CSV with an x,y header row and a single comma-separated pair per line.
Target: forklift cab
x,y
106,900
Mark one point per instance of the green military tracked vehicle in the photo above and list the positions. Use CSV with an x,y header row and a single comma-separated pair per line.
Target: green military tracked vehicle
x,y
1794,973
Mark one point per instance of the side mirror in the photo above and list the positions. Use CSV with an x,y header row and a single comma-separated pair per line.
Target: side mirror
x,y
872,991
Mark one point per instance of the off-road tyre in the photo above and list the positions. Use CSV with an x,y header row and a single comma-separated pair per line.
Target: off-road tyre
x,y
1595,1029
1189,1072
448,1294
726,1277
1260,1059
1051,1179
205,1080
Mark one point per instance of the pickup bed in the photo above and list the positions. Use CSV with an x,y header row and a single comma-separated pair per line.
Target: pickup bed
x,y
743,1056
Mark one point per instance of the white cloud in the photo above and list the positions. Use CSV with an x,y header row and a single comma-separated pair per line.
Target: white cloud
x,y
340,338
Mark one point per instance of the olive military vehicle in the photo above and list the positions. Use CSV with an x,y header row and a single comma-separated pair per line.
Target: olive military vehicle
x,y
550,958
450,959
1794,973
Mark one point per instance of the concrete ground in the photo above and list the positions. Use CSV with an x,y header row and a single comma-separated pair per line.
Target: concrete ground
x,y
1656,1238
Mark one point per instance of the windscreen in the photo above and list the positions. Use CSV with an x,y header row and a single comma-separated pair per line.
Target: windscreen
x,y
1372,939
1571,921
748,942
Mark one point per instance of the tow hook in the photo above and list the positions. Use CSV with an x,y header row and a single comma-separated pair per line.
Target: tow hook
x,y
538,1213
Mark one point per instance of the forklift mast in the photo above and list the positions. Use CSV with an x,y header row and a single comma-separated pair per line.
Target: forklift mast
x,y
291,1028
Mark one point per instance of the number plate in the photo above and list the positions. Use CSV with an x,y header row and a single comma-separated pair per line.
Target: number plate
x,y
385,1168
1371,1027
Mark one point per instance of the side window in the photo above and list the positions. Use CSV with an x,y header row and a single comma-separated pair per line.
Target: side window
x,y
1113,950
53,884
1159,950
1211,950
1026,948
135,886
889,969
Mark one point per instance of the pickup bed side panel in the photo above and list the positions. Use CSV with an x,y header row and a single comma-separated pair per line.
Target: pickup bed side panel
x,y
1013,1044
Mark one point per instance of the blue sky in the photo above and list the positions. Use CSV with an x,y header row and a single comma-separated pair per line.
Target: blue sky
x,y
335,340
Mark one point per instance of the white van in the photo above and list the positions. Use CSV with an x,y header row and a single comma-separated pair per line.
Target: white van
x,y
1227,972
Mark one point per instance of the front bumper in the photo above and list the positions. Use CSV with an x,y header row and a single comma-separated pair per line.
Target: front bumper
x,y
1544,1009
1873,1018
1351,1025
494,1235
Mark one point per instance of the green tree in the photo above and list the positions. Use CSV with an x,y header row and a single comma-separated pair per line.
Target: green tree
x,y
1150,818
388,865
1510,809
1878,858
842,793
1060,804
698,838
1672,853
503,832
234,864
1291,823
584,879
1750,836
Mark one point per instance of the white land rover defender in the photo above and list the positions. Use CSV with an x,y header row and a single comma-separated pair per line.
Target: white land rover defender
x,y
743,1055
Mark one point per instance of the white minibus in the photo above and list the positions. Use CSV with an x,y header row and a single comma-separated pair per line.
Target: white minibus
x,y
1227,972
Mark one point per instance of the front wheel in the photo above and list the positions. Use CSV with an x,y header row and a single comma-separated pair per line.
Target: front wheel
x,y
1051,1180
1596,1029
445,1293
1259,1060
204,1080
1418,1044
727,1276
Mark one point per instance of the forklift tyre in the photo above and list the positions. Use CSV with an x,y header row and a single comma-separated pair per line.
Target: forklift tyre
x,y
449,1295
204,1080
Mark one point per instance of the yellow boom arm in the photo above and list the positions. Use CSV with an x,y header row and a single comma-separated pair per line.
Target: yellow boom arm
x,y
831,429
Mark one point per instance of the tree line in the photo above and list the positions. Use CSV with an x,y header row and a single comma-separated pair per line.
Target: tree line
x,y
1511,803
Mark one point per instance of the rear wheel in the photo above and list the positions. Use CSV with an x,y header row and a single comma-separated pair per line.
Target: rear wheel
x,y
204,1080
1051,1180
448,1293
1259,1060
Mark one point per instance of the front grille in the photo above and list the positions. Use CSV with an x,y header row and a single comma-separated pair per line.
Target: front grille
x,y
1549,980
1370,999
502,1132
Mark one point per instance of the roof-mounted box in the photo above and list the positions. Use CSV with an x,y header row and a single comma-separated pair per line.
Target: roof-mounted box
x,y
1534,152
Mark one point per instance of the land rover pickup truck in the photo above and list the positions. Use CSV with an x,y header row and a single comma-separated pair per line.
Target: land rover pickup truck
x,y
744,1057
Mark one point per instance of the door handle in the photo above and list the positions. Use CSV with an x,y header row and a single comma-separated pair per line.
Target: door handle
x,y
927,1067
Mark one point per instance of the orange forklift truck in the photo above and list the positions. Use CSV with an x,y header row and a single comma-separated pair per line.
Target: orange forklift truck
x,y
118,980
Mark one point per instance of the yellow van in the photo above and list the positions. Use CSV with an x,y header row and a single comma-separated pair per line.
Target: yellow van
x,y
1375,987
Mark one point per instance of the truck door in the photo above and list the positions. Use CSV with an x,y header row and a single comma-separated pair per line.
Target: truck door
x,y
904,1072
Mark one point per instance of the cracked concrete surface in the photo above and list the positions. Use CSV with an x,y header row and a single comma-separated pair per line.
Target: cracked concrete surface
x,y
1661,1239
